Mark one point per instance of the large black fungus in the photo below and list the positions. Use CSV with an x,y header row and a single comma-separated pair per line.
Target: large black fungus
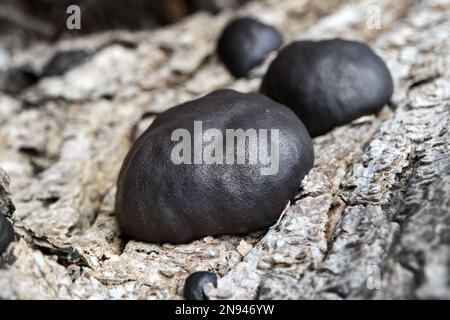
x,y
328,83
244,44
193,286
63,61
6,233
226,163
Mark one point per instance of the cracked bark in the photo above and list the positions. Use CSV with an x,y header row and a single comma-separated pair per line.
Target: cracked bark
x,y
370,221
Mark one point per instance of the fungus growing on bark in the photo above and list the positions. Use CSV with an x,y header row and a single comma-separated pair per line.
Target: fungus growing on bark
x,y
6,233
245,42
63,61
328,83
226,163
193,286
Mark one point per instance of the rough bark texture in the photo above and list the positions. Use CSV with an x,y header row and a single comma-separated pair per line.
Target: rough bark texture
x,y
372,219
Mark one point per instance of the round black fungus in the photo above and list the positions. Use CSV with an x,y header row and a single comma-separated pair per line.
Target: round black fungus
x,y
63,61
208,191
328,83
244,44
19,79
6,233
193,287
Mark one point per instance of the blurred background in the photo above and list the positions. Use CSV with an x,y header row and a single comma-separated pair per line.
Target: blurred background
x,y
25,23
43,19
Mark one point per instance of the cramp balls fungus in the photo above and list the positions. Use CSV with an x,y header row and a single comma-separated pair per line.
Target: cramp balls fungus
x,y
18,79
193,287
244,44
63,61
6,233
226,163
328,83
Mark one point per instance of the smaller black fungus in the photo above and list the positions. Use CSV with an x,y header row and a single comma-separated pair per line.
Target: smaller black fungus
x,y
193,286
63,61
18,79
6,233
328,83
244,44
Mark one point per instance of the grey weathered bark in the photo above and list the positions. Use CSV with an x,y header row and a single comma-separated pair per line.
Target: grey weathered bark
x,y
370,221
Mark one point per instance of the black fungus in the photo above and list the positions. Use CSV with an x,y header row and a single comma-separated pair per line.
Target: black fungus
x,y
193,286
160,201
6,233
63,61
244,44
328,83
18,79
